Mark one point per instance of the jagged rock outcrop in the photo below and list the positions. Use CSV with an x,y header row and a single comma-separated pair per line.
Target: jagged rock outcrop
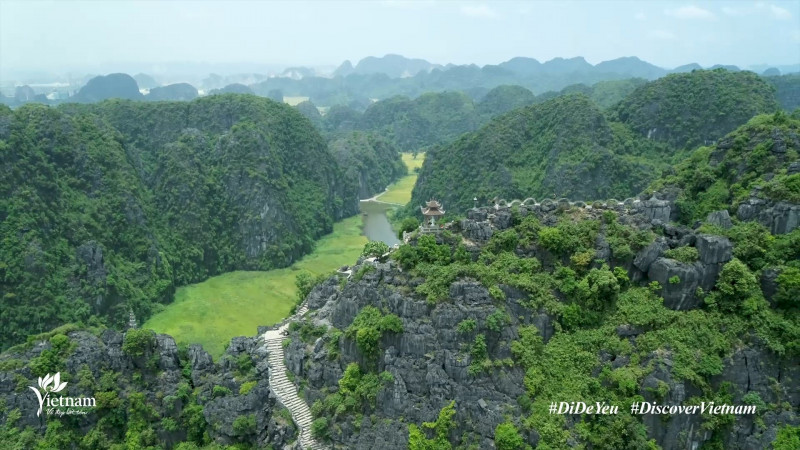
x,y
720,218
163,377
779,217
427,361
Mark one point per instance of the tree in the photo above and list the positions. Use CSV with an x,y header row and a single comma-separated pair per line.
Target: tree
x,y
506,437
375,248
408,225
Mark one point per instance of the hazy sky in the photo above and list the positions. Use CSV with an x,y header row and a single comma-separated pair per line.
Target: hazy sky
x,y
67,35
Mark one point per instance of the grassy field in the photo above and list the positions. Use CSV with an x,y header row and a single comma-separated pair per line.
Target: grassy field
x,y
294,101
236,303
400,191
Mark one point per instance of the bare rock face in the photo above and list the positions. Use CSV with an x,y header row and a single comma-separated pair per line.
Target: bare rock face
x,y
655,209
679,281
720,218
476,231
714,249
649,254
779,217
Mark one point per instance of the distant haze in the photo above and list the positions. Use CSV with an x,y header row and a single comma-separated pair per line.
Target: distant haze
x,y
147,36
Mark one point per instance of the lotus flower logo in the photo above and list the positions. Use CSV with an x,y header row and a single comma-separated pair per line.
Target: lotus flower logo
x,y
48,384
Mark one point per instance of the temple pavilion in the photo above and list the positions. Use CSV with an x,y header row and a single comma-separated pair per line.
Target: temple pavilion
x,y
431,211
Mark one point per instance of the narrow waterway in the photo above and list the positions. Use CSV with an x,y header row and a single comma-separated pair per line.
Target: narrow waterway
x,y
376,224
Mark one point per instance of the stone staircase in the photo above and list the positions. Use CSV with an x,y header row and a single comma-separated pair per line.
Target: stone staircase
x,y
284,389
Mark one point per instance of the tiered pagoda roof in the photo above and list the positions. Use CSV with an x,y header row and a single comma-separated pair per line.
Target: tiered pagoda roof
x,y
432,208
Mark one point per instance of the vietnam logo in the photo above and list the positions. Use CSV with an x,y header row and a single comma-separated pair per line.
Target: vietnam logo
x,y
47,385
59,406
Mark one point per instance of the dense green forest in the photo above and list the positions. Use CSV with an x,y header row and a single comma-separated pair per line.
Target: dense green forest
x,y
106,208
369,158
569,147
439,118
564,147
787,90
687,110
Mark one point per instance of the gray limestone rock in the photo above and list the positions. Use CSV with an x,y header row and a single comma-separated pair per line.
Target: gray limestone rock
x,y
720,218
655,209
476,231
714,249
649,254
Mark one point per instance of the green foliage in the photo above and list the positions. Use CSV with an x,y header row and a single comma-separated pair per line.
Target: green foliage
x,y
674,280
497,320
138,342
428,119
506,437
426,251
369,326
555,240
505,98
220,391
497,293
319,428
695,107
307,330
357,390
373,160
479,354
737,289
788,295
306,282
52,360
686,255
740,162
467,326
244,425
363,270
417,439
375,248
546,150
408,225
504,241
788,438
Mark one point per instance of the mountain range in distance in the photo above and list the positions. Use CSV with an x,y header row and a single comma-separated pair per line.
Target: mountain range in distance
x,y
388,75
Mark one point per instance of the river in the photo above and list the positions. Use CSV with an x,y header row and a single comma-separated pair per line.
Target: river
x,y
376,224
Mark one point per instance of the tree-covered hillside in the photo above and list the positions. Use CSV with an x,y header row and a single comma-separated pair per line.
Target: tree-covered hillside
x,y
428,119
505,98
370,159
787,90
564,147
757,161
106,208
690,109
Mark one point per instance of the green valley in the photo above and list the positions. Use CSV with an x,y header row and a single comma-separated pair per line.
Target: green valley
x,y
237,303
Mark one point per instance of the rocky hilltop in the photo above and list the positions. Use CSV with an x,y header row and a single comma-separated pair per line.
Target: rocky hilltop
x,y
149,392
503,314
